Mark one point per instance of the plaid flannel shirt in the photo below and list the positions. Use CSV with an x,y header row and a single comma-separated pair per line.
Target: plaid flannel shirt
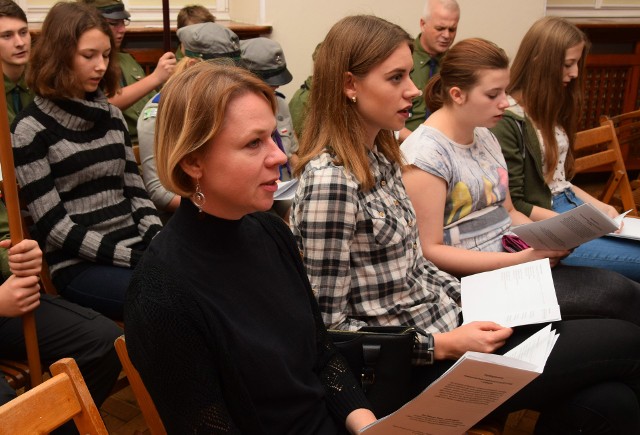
x,y
363,255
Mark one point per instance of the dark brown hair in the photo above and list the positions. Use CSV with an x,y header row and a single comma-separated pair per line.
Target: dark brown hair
x,y
536,74
355,44
50,72
194,14
460,68
9,8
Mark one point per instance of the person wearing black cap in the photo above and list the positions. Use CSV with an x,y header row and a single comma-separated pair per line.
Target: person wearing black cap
x,y
204,41
136,88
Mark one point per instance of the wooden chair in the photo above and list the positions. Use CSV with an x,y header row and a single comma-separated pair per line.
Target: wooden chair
x,y
627,127
52,403
148,408
598,149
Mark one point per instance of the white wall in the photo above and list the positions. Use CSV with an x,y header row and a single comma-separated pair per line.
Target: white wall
x,y
298,25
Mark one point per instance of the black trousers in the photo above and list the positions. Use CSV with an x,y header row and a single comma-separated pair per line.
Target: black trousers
x,y
66,330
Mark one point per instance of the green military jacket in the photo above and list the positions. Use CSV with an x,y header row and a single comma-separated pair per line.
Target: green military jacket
x,y
521,149
298,105
26,96
420,77
131,73
4,235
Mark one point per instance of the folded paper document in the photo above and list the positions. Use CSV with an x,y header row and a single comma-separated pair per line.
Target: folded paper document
x,y
567,230
286,190
473,387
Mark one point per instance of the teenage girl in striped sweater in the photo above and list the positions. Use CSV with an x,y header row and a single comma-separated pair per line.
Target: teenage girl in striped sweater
x,y
75,164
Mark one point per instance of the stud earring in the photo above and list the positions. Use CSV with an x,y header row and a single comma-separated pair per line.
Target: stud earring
x,y
198,197
353,99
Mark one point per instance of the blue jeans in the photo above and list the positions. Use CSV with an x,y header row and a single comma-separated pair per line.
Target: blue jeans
x,y
620,255
100,287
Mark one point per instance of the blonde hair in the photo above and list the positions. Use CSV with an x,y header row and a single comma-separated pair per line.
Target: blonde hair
x,y
191,113
536,74
355,44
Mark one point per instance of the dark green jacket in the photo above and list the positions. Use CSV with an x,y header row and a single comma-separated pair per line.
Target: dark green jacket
x,y
131,73
521,149
298,105
4,234
420,77
26,96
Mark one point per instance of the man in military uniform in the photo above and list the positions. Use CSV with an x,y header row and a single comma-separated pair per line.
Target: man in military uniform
x,y
15,47
137,88
438,27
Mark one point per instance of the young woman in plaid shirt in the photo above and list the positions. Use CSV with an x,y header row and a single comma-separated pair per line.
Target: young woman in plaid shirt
x,y
357,231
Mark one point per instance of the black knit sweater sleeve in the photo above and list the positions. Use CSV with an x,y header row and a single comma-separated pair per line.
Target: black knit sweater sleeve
x,y
182,369
344,394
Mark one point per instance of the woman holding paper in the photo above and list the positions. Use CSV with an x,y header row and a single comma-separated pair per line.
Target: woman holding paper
x,y
538,130
456,178
356,227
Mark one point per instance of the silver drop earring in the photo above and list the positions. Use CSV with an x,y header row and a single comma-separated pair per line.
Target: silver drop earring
x,y
198,197
353,99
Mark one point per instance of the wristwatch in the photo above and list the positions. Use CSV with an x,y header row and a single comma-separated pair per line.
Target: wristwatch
x,y
430,348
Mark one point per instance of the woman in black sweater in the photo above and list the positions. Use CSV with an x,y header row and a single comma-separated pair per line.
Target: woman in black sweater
x,y
221,292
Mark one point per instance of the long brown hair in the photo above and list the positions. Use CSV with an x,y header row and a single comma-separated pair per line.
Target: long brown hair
x,y
460,67
355,44
50,73
536,74
191,112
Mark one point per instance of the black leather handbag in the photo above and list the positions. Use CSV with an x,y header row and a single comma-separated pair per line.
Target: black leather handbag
x,y
380,358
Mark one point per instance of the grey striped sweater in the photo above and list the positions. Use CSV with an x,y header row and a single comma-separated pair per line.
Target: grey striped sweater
x,y
80,181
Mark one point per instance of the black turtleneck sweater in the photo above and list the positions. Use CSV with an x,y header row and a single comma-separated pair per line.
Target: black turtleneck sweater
x,y
223,326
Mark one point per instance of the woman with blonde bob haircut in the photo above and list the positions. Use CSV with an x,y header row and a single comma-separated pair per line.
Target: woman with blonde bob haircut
x,y
228,281
537,135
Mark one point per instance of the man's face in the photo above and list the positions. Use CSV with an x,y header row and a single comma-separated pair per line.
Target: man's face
x,y
439,30
15,41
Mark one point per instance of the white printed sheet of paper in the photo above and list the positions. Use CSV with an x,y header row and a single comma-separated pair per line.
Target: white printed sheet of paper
x,y
512,296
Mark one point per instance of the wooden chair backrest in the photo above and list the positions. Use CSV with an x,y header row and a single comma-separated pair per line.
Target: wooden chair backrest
x,y
598,148
148,408
627,127
59,399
